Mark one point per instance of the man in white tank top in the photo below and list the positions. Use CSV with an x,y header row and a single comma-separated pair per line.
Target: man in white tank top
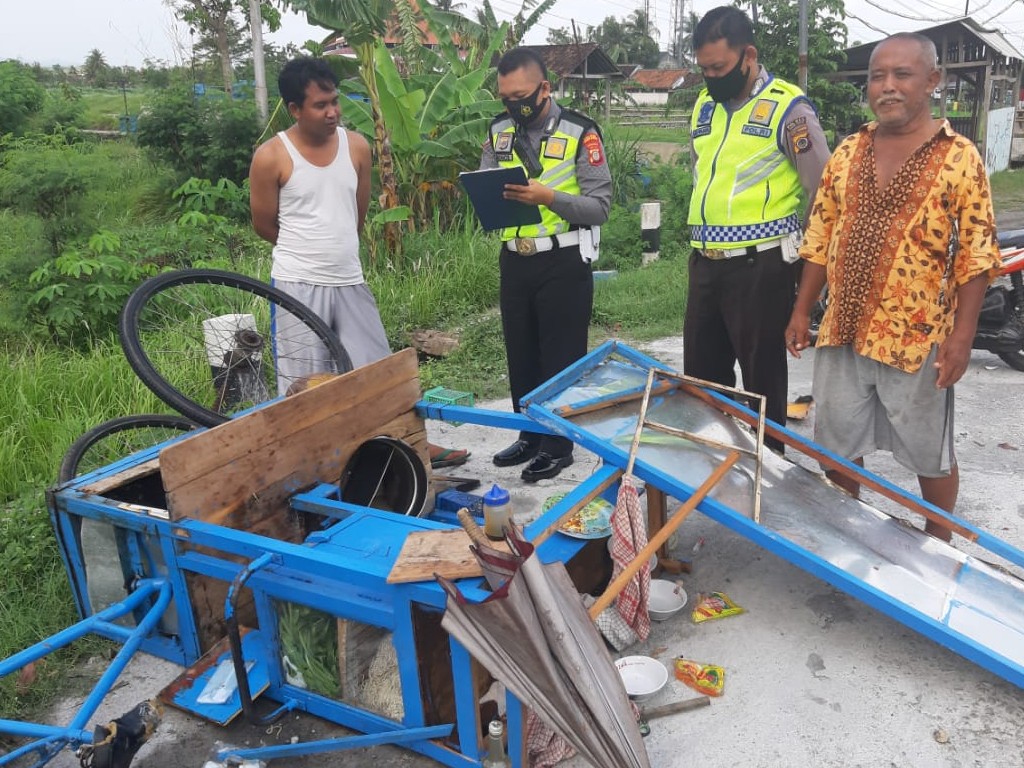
x,y
309,190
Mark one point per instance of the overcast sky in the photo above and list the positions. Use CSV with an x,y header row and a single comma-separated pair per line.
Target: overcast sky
x,y
129,31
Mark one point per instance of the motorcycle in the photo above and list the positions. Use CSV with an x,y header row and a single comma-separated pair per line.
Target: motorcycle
x,y
1001,321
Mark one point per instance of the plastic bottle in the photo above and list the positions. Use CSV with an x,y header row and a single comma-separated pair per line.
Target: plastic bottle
x,y
495,757
497,511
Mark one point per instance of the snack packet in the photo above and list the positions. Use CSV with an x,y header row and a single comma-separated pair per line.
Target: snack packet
x,y
708,679
713,605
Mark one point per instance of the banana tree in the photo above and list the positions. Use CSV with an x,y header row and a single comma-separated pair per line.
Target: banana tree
x,y
362,23
437,121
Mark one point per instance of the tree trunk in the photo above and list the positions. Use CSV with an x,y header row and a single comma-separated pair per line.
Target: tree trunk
x,y
224,51
382,148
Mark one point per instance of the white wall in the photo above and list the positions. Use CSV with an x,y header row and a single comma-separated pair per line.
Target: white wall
x,y
649,97
998,136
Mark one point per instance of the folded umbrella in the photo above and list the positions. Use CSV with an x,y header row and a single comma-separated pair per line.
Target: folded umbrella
x,y
535,636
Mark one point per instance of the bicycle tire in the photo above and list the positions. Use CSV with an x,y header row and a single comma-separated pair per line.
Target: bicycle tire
x,y
164,333
84,455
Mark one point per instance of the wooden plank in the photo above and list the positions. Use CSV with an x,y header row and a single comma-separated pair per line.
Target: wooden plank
x,y
387,387
253,463
101,486
444,552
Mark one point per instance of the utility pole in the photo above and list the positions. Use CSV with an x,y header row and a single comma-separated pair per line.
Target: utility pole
x,y
259,71
802,68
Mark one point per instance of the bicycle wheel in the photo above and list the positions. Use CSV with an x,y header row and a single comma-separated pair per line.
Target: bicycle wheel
x,y
112,440
211,343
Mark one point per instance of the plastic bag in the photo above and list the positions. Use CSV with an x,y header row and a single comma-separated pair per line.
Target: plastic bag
x,y
713,605
708,679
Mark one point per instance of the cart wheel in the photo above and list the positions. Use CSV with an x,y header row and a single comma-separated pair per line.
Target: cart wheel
x,y
211,344
113,440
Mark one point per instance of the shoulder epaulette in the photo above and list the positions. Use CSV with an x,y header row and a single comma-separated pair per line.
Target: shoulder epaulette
x,y
580,119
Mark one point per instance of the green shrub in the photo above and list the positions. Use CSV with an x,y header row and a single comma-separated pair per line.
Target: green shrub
x,y
204,138
20,96
41,176
225,198
79,294
62,109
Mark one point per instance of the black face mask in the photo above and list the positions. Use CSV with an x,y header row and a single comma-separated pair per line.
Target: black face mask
x,y
728,86
525,111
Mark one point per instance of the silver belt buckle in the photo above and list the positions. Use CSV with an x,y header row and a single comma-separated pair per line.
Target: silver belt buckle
x,y
526,246
715,254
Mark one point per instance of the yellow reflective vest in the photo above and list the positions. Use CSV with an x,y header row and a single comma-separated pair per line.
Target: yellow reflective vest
x,y
745,190
558,160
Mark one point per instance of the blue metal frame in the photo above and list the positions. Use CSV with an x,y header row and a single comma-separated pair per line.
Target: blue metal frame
x,y
50,739
771,541
324,573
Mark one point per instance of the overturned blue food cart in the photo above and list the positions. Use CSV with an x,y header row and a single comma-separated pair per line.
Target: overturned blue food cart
x,y
240,541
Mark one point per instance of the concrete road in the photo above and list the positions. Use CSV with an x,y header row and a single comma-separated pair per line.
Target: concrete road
x,y
812,676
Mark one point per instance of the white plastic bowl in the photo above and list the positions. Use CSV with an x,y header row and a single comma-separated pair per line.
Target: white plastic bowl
x,y
667,599
642,676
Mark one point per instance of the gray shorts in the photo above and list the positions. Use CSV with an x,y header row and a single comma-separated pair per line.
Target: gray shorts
x,y
862,405
349,310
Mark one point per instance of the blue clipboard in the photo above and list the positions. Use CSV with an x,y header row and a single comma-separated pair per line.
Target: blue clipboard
x,y
485,188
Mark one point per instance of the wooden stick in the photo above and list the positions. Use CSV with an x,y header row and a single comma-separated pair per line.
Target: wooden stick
x,y
641,417
760,459
476,534
656,516
675,707
832,464
597,491
575,410
681,513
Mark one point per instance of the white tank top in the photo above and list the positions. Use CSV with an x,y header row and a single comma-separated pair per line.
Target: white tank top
x,y
317,239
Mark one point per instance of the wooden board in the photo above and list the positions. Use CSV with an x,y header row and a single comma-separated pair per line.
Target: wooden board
x,y
446,553
243,473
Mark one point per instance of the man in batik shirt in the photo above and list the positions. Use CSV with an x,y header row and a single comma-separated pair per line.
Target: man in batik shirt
x,y
902,231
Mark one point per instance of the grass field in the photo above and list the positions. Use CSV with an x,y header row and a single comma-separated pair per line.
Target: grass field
x,y
103,107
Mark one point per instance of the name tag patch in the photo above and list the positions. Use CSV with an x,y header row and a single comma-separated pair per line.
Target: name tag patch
x,y
700,130
756,130
555,148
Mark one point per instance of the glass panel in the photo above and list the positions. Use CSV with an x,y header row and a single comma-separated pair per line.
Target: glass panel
x,y
339,658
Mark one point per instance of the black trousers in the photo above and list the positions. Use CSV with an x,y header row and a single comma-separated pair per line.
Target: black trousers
x,y
737,310
546,301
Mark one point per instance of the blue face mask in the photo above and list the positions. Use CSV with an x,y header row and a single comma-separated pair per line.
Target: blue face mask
x,y
524,111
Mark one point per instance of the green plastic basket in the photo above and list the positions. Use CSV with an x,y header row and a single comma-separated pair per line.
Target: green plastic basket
x,y
445,396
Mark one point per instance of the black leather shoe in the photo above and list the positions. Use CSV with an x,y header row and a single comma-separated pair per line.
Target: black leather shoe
x,y
544,466
517,453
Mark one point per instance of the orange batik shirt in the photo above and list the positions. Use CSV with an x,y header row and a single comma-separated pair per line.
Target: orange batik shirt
x,y
895,256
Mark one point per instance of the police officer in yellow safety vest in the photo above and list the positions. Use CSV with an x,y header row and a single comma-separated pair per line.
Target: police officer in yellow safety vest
x,y
755,141
547,287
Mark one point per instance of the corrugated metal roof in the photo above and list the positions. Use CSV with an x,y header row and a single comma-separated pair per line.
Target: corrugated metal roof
x,y
857,56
